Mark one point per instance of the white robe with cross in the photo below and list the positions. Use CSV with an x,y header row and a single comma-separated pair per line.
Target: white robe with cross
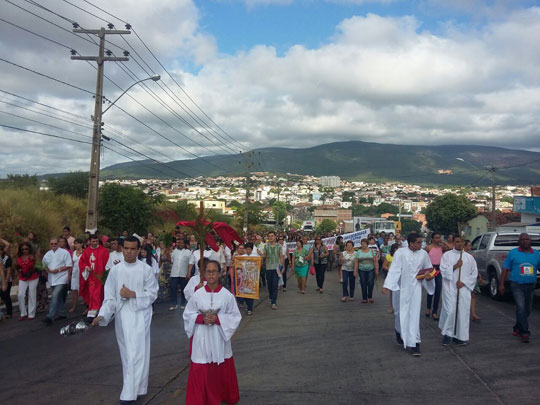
x,y
402,277
469,273
133,317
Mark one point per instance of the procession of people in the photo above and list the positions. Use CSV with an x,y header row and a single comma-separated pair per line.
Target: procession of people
x,y
116,282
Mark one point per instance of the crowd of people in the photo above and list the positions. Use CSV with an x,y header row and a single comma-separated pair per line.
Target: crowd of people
x,y
99,270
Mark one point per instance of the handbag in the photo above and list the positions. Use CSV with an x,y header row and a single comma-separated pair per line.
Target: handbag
x,y
312,270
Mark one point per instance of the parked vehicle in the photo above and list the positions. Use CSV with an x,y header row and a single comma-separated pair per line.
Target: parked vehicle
x,y
490,249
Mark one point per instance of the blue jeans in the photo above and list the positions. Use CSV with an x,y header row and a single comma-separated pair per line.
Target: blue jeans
x,y
319,272
523,296
174,283
348,283
435,298
367,280
272,282
58,301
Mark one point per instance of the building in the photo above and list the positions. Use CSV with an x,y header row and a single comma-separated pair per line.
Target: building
x,y
210,205
529,207
330,181
336,215
475,226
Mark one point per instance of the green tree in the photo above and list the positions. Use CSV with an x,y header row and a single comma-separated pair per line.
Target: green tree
x,y
185,210
255,215
348,196
124,208
327,225
74,184
446,212
408,225
279,209
19,181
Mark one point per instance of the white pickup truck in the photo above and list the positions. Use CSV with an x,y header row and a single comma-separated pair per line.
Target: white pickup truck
x,y
490,249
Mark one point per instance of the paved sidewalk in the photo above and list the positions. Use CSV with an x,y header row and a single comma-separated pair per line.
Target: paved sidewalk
x,y
312,350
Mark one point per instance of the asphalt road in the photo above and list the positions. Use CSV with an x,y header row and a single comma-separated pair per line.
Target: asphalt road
x,y
312,350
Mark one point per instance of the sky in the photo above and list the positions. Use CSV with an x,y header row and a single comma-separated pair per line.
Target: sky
x,y
246,74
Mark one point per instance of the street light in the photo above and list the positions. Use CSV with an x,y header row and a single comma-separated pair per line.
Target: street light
x,y
93,178
492,170
154,78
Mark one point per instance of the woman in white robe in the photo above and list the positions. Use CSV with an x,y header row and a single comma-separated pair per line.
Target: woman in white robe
x,y
450,273
210,319
130,290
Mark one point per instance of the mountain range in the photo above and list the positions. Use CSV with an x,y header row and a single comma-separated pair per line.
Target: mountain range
x,y
356,160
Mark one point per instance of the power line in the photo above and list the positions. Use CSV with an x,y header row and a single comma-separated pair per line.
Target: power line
x,y
168,73
45,114
45,134
46,76
35,33
43,123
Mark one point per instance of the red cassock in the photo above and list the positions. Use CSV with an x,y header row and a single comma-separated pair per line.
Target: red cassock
x,y
91,290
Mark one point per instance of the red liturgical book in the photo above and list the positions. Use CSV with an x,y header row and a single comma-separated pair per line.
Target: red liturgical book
x,y
422,273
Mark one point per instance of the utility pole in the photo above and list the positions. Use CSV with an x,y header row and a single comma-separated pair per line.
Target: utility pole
x,y
93,180
246,202
277,210
492,170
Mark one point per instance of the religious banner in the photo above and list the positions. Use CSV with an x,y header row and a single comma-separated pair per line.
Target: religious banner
x,y
247,271
356,238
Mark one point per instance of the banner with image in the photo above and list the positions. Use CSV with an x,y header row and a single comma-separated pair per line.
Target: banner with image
x,y
247,271
356,237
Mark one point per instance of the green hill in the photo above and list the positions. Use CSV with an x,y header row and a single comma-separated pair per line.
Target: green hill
x,y
357,160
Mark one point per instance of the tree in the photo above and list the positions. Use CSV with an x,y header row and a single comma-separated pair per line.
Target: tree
x,y
279,209
327,225
255,215
185,210
348,196
124,208
19,181
447,211
408,225
74,184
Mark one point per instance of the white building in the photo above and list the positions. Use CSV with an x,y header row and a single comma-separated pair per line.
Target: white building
x,y
330,181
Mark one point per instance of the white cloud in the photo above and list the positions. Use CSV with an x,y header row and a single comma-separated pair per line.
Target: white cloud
x,y
383,79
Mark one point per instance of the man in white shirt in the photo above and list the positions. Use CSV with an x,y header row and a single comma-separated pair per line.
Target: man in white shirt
x,y
115,253
57,263
180,258
196,256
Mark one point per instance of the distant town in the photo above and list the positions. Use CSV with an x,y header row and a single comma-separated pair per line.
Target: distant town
x,y
330,197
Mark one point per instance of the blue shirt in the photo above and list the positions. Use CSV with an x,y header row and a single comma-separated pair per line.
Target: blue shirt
x,y
522,265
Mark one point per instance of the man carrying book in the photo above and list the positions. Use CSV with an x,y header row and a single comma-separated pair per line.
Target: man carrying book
x,y
411,270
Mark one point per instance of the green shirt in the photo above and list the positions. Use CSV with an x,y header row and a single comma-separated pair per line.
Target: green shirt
x,y
365,260
273,256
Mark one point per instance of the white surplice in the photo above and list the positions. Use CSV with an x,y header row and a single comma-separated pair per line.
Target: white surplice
x,y
211,343
469,273
133,317
192,284
402,277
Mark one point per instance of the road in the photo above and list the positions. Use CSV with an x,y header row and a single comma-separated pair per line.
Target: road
x,y
312,350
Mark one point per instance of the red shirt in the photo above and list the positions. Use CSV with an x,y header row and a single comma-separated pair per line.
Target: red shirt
x,y
28,269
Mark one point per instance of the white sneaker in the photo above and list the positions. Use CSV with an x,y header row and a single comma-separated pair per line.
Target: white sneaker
x,y
173,307
274,306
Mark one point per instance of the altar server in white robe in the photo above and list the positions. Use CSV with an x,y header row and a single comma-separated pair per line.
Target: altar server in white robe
x,y
401,277
210,319
130,290
194,284
450,264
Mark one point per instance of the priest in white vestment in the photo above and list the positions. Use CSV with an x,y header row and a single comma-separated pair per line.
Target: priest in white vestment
x,y
210,319
450,264
401,277
130,290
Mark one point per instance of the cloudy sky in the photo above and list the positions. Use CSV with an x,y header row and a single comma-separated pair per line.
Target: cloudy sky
x,y
244,74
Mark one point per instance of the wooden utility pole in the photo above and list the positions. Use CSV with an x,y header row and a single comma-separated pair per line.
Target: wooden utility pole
x,y
93,180
246,202
492,170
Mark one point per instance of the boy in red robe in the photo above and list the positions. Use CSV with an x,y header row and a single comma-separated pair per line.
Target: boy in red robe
x,y
92,264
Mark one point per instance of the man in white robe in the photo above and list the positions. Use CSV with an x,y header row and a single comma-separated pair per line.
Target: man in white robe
x,y
130,290
210,319
402,277
450,265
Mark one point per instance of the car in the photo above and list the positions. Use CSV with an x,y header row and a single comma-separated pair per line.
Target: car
x,y
490,249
